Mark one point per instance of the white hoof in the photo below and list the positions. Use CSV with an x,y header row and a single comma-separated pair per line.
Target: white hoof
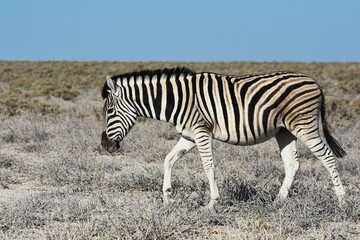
x,y
342,202
168,202
212,204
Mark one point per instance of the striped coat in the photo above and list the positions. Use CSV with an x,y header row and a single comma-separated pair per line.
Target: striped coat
x,y
241,110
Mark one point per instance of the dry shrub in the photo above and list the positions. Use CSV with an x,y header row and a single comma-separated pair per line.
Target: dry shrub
x,y
74,171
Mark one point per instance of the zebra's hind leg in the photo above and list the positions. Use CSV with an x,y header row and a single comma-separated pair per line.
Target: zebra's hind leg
x,y
287,145
180,149
317,146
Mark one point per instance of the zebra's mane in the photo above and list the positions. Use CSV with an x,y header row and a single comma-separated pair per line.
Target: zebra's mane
x,y
158,72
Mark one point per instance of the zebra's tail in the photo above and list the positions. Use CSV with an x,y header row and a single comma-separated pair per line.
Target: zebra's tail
x,y
333,144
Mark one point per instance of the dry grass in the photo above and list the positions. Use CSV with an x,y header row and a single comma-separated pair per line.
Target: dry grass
x,y
57,183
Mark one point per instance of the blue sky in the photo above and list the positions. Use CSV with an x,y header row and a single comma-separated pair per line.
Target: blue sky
x,y
183,30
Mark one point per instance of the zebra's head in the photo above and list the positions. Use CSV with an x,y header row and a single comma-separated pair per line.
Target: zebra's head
x,y
118,113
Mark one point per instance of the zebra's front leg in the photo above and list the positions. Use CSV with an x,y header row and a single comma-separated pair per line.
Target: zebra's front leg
x,y
204,145
180,149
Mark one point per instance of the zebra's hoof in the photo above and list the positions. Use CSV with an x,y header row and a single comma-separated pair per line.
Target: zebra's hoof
x,y
168,202
343,204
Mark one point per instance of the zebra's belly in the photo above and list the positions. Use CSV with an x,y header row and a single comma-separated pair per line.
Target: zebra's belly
x,y
244,139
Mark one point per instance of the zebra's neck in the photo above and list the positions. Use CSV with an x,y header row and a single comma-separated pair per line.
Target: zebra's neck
x,y
159,94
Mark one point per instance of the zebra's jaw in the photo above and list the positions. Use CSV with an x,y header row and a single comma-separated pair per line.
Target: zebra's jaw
x,y
109,145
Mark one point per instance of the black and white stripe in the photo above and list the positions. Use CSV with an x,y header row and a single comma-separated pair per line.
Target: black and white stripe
x,y
240,110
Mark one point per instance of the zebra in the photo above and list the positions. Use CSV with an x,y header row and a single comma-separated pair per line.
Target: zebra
x,y
239,110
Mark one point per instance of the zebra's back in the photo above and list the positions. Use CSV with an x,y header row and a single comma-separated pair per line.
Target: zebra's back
x,y
250,109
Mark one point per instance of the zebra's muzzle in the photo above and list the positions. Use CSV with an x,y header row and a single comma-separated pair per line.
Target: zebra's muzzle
x,y
109,145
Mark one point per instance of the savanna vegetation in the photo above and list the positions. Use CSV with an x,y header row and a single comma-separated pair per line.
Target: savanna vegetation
x,y
56,182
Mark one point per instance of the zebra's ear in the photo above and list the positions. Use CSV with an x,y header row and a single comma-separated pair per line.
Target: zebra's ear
x,y
111,84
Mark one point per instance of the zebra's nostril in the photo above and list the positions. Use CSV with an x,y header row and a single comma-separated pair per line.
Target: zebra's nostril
x,y
109,145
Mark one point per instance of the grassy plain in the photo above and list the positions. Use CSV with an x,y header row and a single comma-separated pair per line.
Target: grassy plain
x,y
57,183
